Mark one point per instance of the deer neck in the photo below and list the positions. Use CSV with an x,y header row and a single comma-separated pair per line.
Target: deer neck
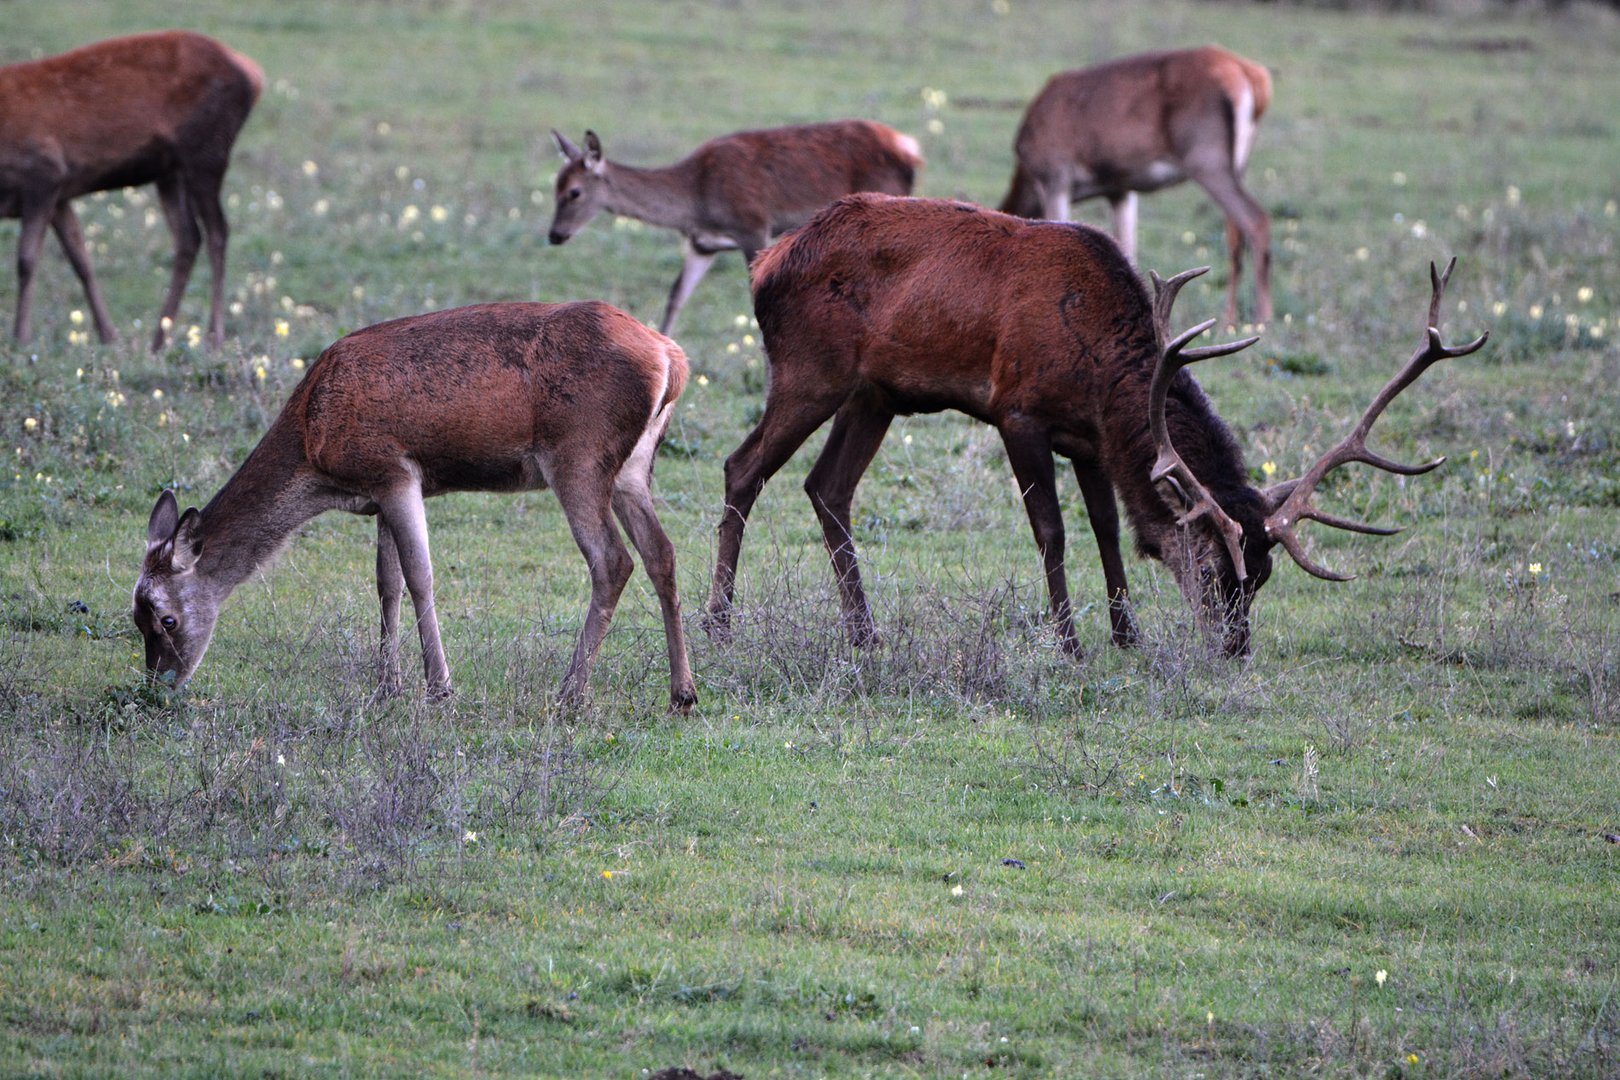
x,y
255,513
665,197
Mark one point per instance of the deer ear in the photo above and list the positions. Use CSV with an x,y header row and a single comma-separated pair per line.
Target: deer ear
x,y
593,152
566,147
188,542
165,517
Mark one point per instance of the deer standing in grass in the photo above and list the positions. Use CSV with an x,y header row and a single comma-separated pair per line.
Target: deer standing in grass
x,y
736,192
161,108
1143,123
882,307
498,397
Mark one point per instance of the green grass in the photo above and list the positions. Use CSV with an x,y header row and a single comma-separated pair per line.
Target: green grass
x,y
1414,776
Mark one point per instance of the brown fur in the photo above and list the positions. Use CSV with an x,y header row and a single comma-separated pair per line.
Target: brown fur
x,y
883,306
497,397
738,191
161,108
1139,124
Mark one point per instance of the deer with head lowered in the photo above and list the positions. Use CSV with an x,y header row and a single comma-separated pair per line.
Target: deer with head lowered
x,y
1143,123
880,307
497,397
160,108
736,192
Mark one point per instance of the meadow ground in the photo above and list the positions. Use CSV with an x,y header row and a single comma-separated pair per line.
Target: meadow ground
x,y
1383,846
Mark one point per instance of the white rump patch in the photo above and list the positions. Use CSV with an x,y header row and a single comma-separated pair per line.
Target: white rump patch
x,y
1243,126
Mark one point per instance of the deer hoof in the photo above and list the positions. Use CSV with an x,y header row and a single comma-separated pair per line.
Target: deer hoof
x,y
717,624
682,700
442,692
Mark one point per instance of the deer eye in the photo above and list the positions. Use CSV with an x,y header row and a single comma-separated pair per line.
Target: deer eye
x,y
169,622
574,193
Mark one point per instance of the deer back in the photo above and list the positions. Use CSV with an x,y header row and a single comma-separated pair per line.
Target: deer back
x,y
489,397
114,113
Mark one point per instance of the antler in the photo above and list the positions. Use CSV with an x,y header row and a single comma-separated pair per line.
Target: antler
x,y
1176,482
1292,499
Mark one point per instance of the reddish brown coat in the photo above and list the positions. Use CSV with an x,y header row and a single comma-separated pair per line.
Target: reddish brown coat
x,y
736,192
496,397
160,108
1142,123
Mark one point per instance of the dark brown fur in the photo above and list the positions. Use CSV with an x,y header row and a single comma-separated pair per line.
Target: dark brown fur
x,y
883,306
161,108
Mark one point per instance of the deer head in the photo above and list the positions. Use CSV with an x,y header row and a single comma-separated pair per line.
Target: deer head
x,y
175,607
581,191
1222,555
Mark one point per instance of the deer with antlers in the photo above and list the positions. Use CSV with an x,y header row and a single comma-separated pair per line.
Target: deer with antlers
x,y
496,397
1142,123
736,192
160,108
883,306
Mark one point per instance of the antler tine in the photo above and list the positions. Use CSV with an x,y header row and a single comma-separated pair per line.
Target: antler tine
x,y
1294,502
1170,472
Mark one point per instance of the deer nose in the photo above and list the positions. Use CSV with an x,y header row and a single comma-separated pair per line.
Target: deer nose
x,y
556,237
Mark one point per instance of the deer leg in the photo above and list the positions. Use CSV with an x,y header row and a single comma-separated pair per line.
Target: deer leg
x,y
204,197
1030,453
1104,515
857,431
30,242
1055,196
780,432
1124,206
182,219
632,502
587,503
65,223
1245,218
696,264
405,518
390,589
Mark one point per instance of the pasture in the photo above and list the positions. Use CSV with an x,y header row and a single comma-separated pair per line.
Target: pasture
x,y
1386,845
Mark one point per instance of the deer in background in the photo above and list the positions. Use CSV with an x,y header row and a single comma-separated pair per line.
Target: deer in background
x,y
736,192
161,108
499,397
882,307
1143,123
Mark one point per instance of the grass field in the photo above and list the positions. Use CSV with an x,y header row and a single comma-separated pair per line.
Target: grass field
x,y
1384,846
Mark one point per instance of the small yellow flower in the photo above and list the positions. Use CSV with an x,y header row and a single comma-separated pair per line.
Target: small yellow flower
x,y
1380,976
358,292
260,373
1499,309
740,320
703,380
1269,468
1398,179
607,875
470,836
1412,1059
1362,254
1535,568
1513,195
283,328
956,890
1535,312
157,394
1584,294
30,424
439,214
733,348
76,317
1189,238
936,126
297,363
748,339
409,214
310,168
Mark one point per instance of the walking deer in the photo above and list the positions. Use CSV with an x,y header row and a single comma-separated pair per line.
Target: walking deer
x,y
883,306
1142,123
161,108
736,192
498,397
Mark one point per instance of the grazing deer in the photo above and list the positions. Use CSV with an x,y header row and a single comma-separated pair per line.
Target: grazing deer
x,y
1143,123
498,397
160,108
883,306
735,192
